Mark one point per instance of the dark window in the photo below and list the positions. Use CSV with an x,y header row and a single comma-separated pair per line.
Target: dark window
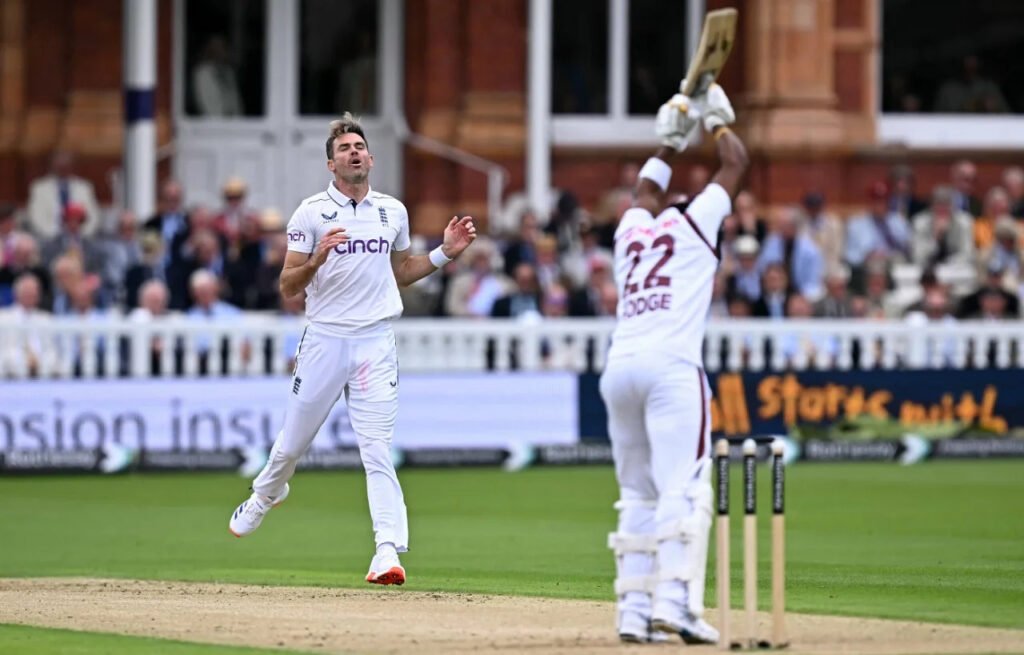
x,y
225,57
338,57
579,50
657,53
955,56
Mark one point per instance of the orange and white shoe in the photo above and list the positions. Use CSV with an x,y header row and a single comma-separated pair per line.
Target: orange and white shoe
x,y
385,569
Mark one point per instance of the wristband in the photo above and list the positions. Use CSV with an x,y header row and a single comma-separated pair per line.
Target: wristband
x,y
657,171
438,258
719,131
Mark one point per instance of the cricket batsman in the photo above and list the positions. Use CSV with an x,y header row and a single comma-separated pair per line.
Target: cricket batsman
x,y
654,385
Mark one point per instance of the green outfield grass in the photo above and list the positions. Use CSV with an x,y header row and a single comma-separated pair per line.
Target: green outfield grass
x,y
936,542
18,640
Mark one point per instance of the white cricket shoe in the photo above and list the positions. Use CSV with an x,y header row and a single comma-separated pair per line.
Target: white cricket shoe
x,y
692,629
635,628
385,569
250,513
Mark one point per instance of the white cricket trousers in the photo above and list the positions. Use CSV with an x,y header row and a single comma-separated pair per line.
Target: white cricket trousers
x,y
659,422
365,369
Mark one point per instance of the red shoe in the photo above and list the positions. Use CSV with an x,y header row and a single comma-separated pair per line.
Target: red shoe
x,y
385,569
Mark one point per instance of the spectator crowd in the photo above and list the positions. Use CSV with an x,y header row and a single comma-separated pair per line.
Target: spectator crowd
x,y
953,252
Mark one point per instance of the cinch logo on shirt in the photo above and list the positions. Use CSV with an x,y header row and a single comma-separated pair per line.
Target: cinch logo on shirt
x,y
378,246
297,235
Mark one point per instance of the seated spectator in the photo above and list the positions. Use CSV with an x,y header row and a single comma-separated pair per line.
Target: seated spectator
x,y
879,230
153,299
1013,182
549,270
963,177
824,228
614,203
474,289
719,306
903,198
123,252
24,258
971,92
942,234
929,282
728,235
747,219
522,247
83,307
205,254
206,302
150,266
934,310
789,245
28,353
876,286
994,306
524,299
242,261
67,273
971,305
775,292
171,222
73,240
261,290
740,307
586,300
579,265
564,224
1006,251
609,301
208,307
997,205
555,301
50,196
836,303
745,280
802,349
235,213
555,304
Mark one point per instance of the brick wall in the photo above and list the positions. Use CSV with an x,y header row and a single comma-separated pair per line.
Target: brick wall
x,y
64,67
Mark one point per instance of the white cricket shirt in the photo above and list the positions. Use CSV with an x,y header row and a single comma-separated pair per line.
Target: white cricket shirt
x,y
665,270
355,289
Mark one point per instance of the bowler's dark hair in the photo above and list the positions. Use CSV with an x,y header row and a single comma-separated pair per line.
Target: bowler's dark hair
x,y
347,124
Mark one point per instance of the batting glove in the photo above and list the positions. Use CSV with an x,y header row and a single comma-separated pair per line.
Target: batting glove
x,y
715,108
676,122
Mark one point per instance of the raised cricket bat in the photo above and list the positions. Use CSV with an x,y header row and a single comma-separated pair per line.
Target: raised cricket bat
x,y
716,41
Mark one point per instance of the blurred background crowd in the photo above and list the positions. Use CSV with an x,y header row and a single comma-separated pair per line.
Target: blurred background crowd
x,y
945,253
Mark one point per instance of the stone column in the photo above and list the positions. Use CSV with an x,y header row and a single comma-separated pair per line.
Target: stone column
x,y
790,99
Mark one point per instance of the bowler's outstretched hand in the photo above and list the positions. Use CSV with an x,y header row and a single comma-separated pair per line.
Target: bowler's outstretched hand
x,y
458,235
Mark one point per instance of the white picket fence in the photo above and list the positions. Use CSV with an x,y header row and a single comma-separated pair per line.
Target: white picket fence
x,y
263,345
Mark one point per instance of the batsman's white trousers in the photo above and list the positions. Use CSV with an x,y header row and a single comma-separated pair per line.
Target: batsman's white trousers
x,y
659,422
365,369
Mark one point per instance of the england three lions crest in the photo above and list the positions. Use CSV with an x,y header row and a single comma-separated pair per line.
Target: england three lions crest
x,y
383,216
